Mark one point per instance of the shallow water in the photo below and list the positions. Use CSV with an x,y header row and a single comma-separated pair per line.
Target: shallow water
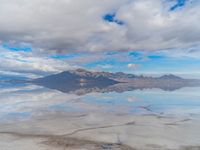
x,y
26,101
141,119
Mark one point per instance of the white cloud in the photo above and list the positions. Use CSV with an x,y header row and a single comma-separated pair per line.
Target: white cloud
x,y
65,26
133,66
29,65
68,25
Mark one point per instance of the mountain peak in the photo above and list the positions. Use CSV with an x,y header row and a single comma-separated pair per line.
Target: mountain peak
x,y
81,70
85,81
170,76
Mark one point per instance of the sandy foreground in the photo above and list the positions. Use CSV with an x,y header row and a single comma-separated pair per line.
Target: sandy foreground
x,y
101,131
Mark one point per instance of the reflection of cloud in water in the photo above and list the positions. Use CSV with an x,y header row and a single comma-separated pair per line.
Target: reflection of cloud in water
x,y
132,99
36,101
30,99
137,118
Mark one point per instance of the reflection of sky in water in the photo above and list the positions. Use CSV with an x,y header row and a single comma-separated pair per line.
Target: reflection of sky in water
x,y
16,115
185,101
23,102
66,107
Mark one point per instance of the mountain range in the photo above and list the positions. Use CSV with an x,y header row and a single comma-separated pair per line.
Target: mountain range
x,y
81,82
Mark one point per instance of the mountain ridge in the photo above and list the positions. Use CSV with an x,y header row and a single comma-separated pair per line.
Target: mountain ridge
x,y
117,75
81,81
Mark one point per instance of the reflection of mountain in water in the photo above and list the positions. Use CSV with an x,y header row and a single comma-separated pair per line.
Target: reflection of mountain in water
x,y
81,82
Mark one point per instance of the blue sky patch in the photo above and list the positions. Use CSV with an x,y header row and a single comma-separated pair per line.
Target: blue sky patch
x,y
136,54
69,56
17,48
180,3
111,53
155,57
111,17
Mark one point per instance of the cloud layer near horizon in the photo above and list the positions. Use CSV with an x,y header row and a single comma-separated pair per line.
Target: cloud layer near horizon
x,y
71,26
38,38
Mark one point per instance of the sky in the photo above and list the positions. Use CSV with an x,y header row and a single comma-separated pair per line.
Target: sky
x,y
152,37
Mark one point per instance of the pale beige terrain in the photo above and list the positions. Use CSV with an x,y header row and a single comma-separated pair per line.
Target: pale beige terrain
x,y
33,118
101,131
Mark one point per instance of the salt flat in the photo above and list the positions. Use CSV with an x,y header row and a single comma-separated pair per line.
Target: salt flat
x,y
37,118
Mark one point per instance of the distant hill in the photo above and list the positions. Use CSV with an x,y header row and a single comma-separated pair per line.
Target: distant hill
x,y
78,76
170,76
83,76
81,81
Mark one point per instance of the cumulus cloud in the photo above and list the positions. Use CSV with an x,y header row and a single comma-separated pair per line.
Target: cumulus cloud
x,y
68,25
133,66
93,28
29,64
